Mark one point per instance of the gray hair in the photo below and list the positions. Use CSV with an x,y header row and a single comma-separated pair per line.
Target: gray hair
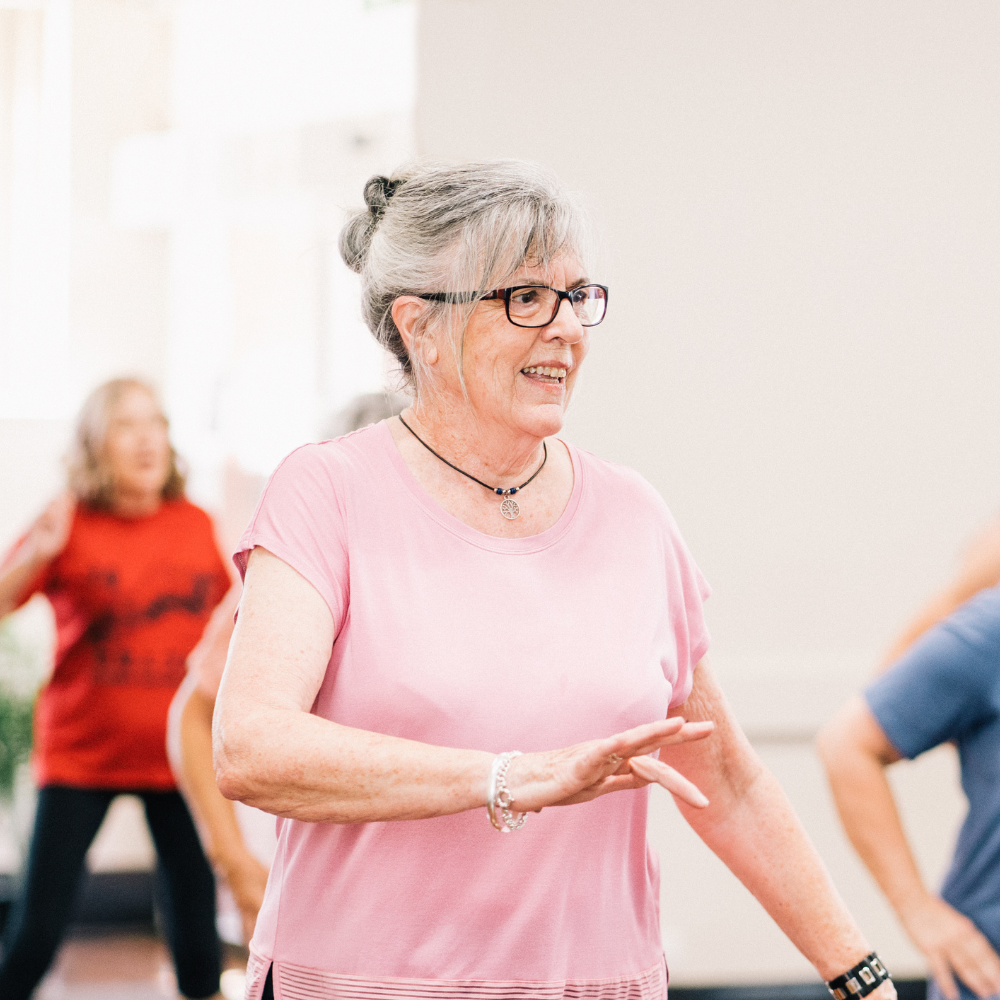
x,y
453,228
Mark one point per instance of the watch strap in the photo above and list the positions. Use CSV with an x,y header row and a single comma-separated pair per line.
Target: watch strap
x,y
864,978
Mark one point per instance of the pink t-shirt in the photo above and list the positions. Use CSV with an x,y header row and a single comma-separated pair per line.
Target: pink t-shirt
x,y
452,637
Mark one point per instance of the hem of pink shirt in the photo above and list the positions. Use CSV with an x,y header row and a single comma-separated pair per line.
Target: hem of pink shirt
x,y
300,982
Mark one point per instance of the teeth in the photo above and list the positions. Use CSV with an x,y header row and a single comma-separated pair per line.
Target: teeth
x,y
550,372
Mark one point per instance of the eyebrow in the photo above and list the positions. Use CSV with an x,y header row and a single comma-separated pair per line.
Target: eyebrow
x,y
537,284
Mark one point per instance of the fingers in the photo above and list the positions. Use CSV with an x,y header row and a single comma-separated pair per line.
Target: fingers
x,y
579,773
612,783
673,781
646,739
976,964
943,977
954,947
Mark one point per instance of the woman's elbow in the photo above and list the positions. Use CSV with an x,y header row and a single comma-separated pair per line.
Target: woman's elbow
x,y
232,764
851,743
232,781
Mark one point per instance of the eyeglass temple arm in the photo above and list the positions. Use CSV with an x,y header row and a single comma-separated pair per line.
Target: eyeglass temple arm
x,y
460,297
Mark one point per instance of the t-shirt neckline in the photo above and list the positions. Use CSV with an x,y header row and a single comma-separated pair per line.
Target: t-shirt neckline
x,y
527,544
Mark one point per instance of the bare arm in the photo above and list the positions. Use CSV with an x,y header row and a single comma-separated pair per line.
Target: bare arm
x,y
856,752
45,539
190,749
243,872
980,569
751,827
271,752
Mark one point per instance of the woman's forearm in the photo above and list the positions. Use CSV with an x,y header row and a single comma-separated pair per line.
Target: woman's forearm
x,y
298,765
762,842
216,813
752,828
16,577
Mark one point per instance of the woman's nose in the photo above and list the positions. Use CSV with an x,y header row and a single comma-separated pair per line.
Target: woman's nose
x,y
566,326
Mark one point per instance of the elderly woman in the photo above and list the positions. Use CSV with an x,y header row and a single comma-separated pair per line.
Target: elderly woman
x,y
453,621
133,572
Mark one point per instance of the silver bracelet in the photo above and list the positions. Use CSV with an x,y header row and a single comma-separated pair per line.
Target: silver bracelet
x,y
498,795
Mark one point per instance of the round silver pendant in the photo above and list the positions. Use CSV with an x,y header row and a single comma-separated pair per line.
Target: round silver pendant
x,y
509,508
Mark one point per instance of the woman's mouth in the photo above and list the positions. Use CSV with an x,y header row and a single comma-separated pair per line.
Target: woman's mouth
x,y
546,375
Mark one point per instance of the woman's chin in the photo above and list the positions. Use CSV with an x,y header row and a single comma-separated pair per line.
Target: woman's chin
x,y
541,420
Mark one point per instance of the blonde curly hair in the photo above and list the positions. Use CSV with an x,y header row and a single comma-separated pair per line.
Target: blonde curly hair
x,y
89,473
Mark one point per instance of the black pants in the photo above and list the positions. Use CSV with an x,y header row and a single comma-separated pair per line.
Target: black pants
x,y
66,822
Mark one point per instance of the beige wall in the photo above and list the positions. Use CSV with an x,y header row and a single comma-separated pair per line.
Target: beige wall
x,y
801,229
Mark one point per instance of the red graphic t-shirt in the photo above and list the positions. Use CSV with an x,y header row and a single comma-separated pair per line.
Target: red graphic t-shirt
x,y
131,598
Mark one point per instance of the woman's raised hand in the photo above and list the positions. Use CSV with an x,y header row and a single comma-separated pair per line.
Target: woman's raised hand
x,y
47,537
586,770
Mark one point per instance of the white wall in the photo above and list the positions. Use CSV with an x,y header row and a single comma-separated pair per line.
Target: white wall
x,y
802,232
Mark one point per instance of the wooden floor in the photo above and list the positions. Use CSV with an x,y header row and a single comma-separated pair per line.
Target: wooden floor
x,y
114,967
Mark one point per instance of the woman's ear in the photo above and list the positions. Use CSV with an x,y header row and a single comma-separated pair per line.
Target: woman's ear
x,y
419,341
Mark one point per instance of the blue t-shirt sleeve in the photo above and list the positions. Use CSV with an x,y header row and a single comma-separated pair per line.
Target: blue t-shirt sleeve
x,y
945,685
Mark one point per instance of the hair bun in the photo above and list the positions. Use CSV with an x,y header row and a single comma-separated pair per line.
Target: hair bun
x,y
356,236
378,191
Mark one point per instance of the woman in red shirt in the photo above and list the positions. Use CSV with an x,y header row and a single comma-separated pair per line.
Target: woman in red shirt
x,y
133,573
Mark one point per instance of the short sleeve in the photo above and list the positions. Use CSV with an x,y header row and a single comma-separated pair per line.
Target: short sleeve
x,y
300,519
944,686
688,590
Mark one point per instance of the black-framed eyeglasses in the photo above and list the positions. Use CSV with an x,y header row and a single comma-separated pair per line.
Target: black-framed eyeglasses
x,y
537,305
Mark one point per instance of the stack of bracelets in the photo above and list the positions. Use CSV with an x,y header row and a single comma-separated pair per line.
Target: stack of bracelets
x,y
498,798
866,977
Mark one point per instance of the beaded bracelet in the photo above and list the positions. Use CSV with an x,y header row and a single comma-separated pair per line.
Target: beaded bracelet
x,y
866,977
498,795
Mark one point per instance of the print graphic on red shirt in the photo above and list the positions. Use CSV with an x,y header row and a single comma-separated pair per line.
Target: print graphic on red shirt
x,y
131,598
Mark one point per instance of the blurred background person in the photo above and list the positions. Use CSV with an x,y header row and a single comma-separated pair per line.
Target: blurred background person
x,y
944,686
239,839
133,572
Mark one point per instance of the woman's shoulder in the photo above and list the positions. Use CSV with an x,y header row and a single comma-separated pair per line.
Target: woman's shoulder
x,y
320,476
330,460
621,483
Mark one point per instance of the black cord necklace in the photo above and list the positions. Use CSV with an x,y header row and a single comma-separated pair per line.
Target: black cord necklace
x,y
508,506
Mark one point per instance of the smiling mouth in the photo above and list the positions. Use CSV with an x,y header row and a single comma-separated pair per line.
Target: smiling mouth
x,y
549,376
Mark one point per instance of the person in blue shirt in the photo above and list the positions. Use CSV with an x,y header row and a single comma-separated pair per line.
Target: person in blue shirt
x,y
945,687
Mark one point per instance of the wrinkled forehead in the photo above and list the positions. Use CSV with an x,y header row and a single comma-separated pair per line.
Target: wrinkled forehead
x,y
563,270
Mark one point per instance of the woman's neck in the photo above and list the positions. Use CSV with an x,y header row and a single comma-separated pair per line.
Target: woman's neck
x,y
138,504
495,453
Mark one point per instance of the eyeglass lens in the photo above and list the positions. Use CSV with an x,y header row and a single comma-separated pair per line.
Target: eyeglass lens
x,y
533,305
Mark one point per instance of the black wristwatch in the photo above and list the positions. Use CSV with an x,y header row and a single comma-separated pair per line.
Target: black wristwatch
x,y
866,977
